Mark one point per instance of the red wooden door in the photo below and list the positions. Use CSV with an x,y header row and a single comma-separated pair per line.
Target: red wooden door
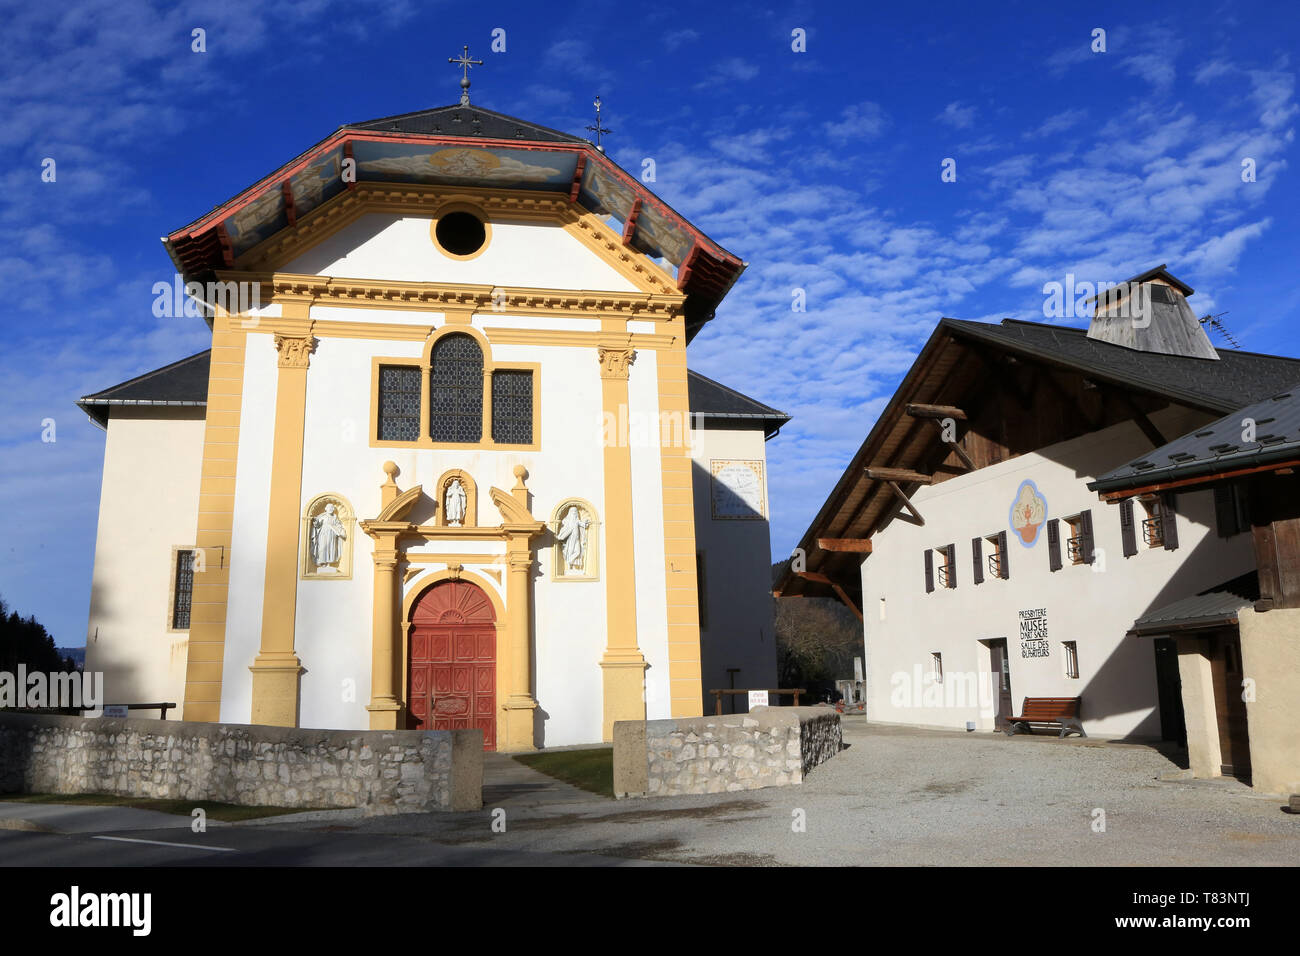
x,y
453,667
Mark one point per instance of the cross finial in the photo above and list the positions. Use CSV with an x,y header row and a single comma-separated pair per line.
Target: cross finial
x,y
465,63
598,129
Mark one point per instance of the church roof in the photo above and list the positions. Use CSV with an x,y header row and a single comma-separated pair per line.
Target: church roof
x,y
178,384
472,121
430,147
716,402
186,383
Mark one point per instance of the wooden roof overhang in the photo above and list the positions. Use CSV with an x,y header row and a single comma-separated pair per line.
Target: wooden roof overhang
x,y
589,178
953,368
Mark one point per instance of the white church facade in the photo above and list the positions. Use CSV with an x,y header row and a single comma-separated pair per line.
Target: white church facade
x,y
445,466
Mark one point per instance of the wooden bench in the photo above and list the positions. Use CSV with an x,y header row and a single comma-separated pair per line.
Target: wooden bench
x,y
1059,711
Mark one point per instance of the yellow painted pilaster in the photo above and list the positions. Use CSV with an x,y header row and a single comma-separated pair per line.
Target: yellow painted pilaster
x,y
623,665
276,668
384,705
520,704
684,671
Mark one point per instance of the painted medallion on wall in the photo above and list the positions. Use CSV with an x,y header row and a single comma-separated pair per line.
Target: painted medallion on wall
x,y
574,526
327,533
737,490
1028,513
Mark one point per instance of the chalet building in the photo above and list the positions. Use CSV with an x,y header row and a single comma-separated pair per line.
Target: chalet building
x,y
447,466
966,537
1237,643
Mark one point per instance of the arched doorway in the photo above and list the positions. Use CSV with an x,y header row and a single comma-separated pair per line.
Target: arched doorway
x,y
452,684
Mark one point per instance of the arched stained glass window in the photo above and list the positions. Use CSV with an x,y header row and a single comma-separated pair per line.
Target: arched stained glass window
x,y
456,390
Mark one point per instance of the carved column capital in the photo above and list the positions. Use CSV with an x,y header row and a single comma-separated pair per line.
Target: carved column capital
x,y
615,362
295,350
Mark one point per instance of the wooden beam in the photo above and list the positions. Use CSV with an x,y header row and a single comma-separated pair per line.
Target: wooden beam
x,y
936,411
847,545
898,474
577,177
839,591
289,211
961,453
1143,422
629,227
907,503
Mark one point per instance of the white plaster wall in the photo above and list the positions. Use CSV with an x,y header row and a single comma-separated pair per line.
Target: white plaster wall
x,y
334,617
737,571
400,249
1094,606
247,557
148,506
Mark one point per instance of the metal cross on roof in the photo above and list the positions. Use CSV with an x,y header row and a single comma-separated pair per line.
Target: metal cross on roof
x,y
465,63
598,129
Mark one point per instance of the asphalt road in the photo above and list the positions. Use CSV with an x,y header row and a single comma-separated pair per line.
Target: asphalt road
x,y
895,796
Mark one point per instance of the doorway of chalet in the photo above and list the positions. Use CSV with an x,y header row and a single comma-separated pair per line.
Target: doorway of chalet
x,y
1224,650
1000,668
452,667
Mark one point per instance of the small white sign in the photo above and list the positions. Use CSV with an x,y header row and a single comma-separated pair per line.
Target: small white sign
x,y
757,698
115,710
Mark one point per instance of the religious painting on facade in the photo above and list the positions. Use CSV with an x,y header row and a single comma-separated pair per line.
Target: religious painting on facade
x,y
1028,513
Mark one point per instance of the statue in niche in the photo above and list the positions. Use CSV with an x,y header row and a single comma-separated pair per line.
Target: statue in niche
x,y
572,535
327,536
455,503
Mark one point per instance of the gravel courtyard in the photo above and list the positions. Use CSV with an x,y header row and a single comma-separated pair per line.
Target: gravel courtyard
x,y
899,796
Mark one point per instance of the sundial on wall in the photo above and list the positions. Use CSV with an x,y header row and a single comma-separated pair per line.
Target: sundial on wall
x,y
737,490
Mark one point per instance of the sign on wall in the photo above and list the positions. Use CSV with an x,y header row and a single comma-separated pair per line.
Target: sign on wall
x,y
1028,513
1033,633
757,698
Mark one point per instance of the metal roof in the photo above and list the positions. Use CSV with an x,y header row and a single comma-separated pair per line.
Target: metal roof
x,y
181,383
1215,606
1220,446
713,400
471,121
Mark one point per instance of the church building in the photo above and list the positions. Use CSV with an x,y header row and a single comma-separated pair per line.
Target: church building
x,y
444,465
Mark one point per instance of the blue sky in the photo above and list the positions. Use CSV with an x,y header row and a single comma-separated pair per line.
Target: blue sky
x,y
819,168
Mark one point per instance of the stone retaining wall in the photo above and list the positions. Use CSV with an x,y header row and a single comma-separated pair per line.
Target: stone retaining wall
x,y
768,747
402,771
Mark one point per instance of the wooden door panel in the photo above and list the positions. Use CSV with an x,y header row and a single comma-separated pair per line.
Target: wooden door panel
x,y
453,661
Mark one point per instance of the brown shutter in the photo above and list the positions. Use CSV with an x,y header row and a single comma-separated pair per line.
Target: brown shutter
x,y
952,565
1054,545
1085,536
1225,514
929,570
1126,529
1004,554
1169,521
977,560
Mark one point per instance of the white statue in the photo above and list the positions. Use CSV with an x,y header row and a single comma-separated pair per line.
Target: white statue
x,y
327,534
455,503
573,536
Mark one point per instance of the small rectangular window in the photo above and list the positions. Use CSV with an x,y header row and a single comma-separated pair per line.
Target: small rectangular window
x,y
947,565
183,590
399,403
936,663
1152,526
997,558
512,407
1071,659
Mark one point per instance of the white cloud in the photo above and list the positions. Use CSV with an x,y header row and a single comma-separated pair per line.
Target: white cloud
x,y
957,116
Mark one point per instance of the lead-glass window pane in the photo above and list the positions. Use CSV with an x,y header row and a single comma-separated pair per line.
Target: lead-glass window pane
x,y
456,390
399,403
512,407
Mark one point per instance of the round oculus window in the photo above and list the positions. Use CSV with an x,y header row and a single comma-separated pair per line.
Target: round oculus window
x,y
460,233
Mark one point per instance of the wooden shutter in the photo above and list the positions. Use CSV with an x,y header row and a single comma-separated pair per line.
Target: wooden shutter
x,y
1085,536
1004,555
952,565
977,560
1169,521
1225,512
929,570
1126,529
1054,545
